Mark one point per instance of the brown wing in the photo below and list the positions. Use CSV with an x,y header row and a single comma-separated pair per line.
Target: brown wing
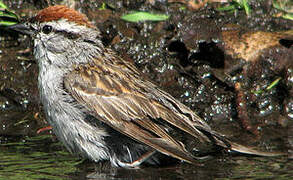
x,y
119,97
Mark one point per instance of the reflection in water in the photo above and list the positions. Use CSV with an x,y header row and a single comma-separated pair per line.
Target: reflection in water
x,y
41,158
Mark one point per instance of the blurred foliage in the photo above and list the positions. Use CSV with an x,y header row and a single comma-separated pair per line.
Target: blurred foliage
x,y
7,17
144,16
285,7
271,86
236,5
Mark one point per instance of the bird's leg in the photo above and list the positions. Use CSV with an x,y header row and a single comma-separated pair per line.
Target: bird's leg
x,y
139,161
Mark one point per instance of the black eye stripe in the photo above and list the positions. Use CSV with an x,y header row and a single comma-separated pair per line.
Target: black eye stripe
x,y
89,41
69,35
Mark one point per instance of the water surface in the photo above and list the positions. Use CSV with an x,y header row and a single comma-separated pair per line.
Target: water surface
x,y
43,157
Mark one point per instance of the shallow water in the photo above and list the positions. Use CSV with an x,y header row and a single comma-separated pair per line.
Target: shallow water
x,y
42,157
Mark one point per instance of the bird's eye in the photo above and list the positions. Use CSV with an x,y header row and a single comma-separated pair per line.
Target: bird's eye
x,y
47,29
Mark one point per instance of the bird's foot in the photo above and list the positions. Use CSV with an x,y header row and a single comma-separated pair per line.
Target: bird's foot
x,y
138,162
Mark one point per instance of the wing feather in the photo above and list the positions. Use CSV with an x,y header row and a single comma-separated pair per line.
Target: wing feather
x,y
120,100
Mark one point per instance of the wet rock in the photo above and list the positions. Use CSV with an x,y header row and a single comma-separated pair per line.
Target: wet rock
x,y
251,45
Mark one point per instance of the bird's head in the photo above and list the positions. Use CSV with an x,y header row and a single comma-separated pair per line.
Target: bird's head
x,y
62,36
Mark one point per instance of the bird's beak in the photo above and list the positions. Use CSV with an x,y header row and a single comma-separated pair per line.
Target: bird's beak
x,y
22,28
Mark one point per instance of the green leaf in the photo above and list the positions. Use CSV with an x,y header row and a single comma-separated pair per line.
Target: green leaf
x,y
285,7
144,16
257,92
182,8
7,23
236,4
7,18
103,7
226,8
2,5
246,7
288,16
274,83
8,14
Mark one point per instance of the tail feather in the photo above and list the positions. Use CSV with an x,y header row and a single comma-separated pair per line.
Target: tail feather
x,y
222,141
250,151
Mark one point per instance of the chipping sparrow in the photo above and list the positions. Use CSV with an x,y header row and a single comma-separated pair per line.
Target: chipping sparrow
x,y
100,106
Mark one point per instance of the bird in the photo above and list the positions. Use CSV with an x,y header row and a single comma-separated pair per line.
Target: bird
x,y
100,105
